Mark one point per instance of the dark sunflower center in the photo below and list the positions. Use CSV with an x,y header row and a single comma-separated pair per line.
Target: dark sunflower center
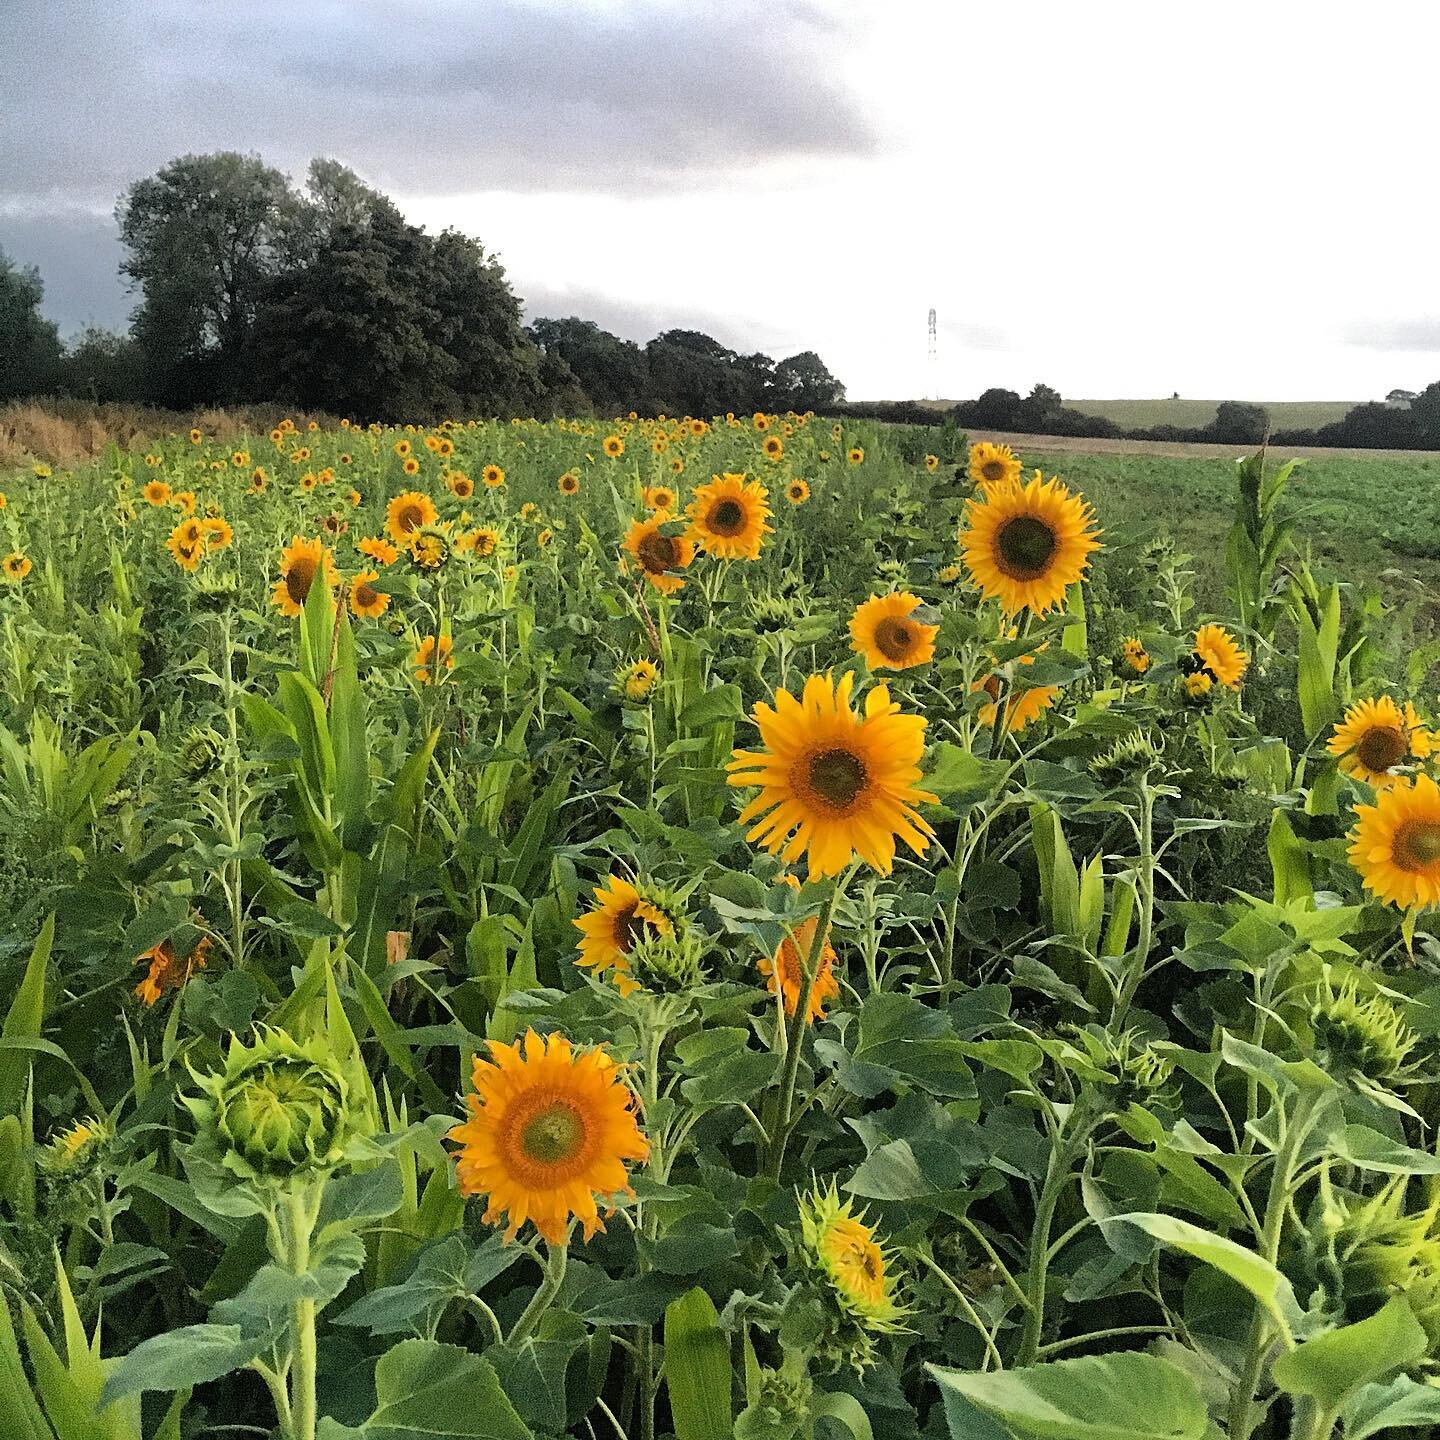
x,y
553,1136
1382,747
410,518
895,639
298,579
870,1264
728,517
837,776
993,471
1024,547
629,927
658,553
1417,845
364,595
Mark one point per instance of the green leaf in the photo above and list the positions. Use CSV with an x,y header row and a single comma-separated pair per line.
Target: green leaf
x,y
846,1410
1126,1396
1400,1402
439,1392
24,1020
1332,1365
179,1359
1368,1149
697,1369
1255,1273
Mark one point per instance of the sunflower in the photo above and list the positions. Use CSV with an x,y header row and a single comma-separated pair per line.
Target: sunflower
x,y
658,497
300,562
549,1130
156,493
1226,661
843,1248
186,543
493,476
785,972
381,551
16,567
355,498
727,517
568,483
1396,844
430,547
365,600
406,513
834,784
613,446
196,436
402,448
932,463
184,501
855,455
659,554
660,444
677,466
797,492
638,680
882,631
1025,545
258,481
239,459
622,915
169,971
1377,735
217,533
1134,656
425,656
308,481
1022,706
461,486
774,447
951,574
992,465
544,537
484,542
410,465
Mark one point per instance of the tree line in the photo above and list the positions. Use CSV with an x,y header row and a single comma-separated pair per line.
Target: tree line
x,y
251,288
1406,420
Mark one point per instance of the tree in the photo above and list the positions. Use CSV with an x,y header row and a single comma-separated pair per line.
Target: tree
x,y
101,366
389,323
336,196
1040,408
204,236
29,344
612,372
1238,422
803,382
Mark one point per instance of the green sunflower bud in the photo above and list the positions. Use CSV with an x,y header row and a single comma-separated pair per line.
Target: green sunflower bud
x,y
1132,754
76,1149
199,753
278,1110
668,964
1361,1037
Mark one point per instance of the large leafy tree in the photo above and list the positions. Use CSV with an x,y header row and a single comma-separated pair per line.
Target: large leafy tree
x,y
804,382
29,344
385,322
612,372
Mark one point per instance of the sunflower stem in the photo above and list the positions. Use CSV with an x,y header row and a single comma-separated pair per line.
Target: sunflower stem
x,y
544,1297
302,1378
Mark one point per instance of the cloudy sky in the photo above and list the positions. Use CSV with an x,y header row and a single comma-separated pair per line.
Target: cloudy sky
x,y
1233,199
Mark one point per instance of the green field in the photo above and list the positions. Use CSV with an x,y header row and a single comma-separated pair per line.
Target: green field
x,y
1142,414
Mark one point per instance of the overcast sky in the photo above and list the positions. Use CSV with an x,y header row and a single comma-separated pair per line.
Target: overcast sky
x,y
1234,199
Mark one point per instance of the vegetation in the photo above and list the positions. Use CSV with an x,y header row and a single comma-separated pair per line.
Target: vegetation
x,y
707,927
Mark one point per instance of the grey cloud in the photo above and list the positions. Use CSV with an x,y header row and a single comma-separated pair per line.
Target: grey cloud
x,y
420,96
1412,335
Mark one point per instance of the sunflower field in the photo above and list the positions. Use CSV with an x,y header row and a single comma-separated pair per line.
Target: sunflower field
x,y
703,928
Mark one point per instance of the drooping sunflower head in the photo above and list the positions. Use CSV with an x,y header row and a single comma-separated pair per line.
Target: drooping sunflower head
x,y
784,971
407,513
1024,703
852,1267
278,1109
301,561
431,656
1025,545
548,1132
887,632
365,600
659,553
166,970
797,492
624,913
834,784
16,566
1378,735
1215,647
1395,845
728,517
485,541
1366,1037
1134,657
430,548
381,551
992,465
638,679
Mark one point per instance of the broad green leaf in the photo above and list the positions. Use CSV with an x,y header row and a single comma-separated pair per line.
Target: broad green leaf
x,y
697,1369
179,1359
24,1020
1126,1396
1332,1365
1401,1402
